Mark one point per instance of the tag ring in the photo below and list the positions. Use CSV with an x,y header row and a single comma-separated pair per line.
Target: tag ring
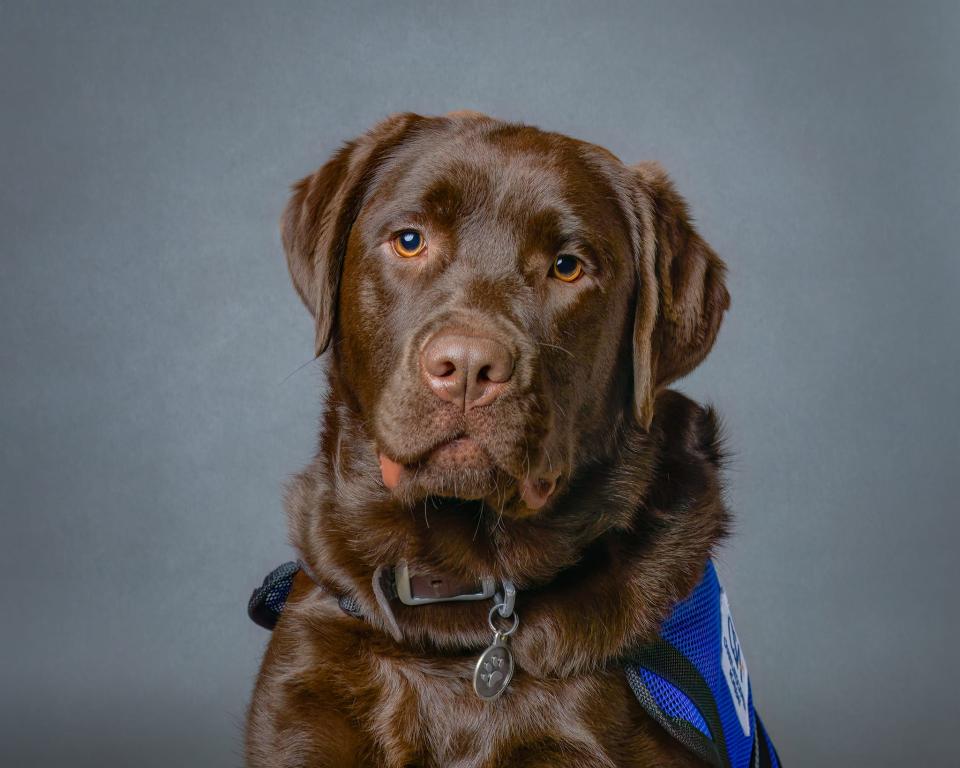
x,y
493,627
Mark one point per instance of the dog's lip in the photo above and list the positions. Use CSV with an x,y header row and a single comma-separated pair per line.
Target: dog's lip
x,y
461,450
447,460
465,452
445,450
423,455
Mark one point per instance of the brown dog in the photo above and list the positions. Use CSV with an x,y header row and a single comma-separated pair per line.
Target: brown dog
x,y
504,308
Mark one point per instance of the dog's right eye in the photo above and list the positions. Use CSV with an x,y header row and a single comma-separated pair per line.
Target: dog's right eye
x,y
408,243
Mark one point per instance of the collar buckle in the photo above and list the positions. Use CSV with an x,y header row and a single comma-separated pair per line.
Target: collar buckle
x,y
425,588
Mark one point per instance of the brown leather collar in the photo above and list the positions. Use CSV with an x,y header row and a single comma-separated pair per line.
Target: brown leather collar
x,y
415,585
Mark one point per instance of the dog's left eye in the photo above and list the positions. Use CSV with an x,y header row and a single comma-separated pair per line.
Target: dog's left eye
x,y
567,268
408,243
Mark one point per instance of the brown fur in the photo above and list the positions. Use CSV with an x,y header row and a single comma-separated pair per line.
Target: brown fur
x,y
638,508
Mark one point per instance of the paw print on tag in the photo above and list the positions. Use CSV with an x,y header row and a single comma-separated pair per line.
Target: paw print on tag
x,y
491,674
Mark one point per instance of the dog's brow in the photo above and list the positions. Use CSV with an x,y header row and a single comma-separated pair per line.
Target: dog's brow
x,y
548,229
388,220
554,230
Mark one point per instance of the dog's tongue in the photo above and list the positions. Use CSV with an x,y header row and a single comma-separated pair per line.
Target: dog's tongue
x,y
535,492
390,471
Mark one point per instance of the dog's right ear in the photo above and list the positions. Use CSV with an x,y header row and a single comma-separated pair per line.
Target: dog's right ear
x,y
317,220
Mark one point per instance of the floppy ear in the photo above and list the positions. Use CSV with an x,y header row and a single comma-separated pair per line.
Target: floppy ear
x,y
316,223
682,291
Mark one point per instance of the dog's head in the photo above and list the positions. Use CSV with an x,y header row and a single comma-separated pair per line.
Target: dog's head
x,y
500,301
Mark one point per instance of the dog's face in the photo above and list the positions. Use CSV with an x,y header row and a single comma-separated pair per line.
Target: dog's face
x,y
500,300
483,298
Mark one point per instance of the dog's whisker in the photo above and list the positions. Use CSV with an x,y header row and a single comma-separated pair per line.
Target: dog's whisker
x,y
557,346
297,370
479,520
503,498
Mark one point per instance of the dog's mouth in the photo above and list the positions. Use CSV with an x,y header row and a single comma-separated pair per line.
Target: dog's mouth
x,y
462,468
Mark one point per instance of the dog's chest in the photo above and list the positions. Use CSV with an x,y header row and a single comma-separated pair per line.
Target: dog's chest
x,y
427,714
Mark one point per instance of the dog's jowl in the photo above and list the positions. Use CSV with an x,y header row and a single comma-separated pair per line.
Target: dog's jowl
x,y
504,540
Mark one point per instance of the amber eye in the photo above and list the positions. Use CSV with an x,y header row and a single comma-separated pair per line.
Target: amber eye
x,y
567,268
408,243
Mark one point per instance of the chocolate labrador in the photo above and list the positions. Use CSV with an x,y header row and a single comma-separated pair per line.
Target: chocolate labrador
x,y
506,503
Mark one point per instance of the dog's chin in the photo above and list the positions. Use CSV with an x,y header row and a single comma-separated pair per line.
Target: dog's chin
x,y
463,469
464,484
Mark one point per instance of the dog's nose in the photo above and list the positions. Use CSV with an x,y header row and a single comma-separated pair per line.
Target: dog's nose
x,y
470,370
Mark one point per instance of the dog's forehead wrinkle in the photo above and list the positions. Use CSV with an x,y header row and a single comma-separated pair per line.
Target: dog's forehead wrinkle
x,y
521,185
476,174
456,158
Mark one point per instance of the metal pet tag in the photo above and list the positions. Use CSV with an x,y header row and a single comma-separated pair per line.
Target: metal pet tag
x,y
494,669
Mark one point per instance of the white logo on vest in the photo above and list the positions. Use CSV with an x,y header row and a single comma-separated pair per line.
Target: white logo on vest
x,y
734,665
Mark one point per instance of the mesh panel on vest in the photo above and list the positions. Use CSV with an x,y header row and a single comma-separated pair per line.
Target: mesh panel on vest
x,y
267,601
673,701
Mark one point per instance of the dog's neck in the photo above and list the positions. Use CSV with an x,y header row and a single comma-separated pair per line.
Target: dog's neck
x,y
597,571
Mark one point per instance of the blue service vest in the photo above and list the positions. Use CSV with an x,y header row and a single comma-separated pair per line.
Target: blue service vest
x,y
693,680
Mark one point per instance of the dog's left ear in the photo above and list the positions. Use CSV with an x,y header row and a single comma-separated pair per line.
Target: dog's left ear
x,y
317,220
682,293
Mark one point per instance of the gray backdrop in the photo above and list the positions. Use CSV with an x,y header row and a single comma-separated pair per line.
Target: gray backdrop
x,y
148,333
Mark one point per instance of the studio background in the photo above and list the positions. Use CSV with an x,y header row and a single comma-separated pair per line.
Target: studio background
x,y
152,400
